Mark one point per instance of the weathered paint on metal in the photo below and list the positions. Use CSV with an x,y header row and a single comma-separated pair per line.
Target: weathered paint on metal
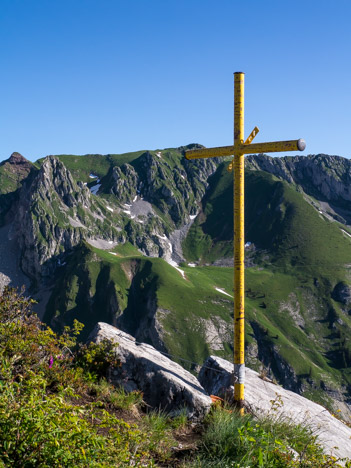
x,y
254,148
239,277
251,136
247,142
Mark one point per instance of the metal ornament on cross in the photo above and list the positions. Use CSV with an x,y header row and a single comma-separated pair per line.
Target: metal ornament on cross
x,y
238,150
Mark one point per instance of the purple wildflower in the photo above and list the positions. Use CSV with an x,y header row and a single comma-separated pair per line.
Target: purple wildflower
x,y
51,361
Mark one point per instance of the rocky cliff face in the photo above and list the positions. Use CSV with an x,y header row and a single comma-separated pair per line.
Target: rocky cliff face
x,y
326,178
175,187
54,214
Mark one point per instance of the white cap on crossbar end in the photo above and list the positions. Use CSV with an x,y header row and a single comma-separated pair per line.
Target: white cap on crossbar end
x,y
301,144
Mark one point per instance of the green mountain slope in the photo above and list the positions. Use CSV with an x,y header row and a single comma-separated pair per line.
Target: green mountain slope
x,y
146,296
295,327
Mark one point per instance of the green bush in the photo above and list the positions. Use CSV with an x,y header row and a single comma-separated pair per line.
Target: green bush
x,y
96,358
43,422
37,429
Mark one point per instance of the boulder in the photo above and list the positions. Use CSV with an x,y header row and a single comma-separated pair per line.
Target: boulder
x,y
164,383
342,293
265,397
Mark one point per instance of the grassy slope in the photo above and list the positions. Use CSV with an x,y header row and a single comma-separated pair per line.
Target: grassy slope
x,y
300,257
209,237
92,278
90,284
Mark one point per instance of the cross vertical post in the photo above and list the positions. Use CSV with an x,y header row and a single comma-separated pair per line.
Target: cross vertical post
x,y
239,149
239,297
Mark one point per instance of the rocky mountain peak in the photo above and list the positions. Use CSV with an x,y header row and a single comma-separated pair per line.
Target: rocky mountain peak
x,y
54,214
124,183
54,176
191,146
17,158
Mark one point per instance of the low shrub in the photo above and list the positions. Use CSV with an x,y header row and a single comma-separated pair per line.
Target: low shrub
x,y
42,422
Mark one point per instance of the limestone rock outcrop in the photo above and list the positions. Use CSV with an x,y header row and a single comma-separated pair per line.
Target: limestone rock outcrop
x,y
164,383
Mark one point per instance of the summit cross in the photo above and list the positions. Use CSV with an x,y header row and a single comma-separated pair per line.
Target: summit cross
x,y
237,164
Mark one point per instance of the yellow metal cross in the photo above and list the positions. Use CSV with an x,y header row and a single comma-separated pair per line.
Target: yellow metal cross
x,y
238,150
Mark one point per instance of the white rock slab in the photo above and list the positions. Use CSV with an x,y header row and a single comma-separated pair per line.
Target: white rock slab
x,y
333,435
164,383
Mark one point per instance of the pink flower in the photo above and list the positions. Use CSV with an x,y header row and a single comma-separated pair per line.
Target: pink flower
x,y
51,361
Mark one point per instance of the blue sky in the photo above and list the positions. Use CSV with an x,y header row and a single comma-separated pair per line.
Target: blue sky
x,y
111,76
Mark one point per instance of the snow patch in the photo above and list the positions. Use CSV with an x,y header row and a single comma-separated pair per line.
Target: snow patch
x,y
109,208
126,211
181,175
112,253
346,233
158,154
175,265
95,188
135,198
93,176
223,292
192,216
192,265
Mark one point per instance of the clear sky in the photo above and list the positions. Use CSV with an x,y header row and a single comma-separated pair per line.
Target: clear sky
x,y
111,76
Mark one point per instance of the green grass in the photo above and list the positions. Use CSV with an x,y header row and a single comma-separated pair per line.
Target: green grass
x,y
211,235
117,397
123,250
237,441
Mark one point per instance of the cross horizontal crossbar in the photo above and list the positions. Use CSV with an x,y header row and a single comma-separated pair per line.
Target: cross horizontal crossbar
x,y
254,148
